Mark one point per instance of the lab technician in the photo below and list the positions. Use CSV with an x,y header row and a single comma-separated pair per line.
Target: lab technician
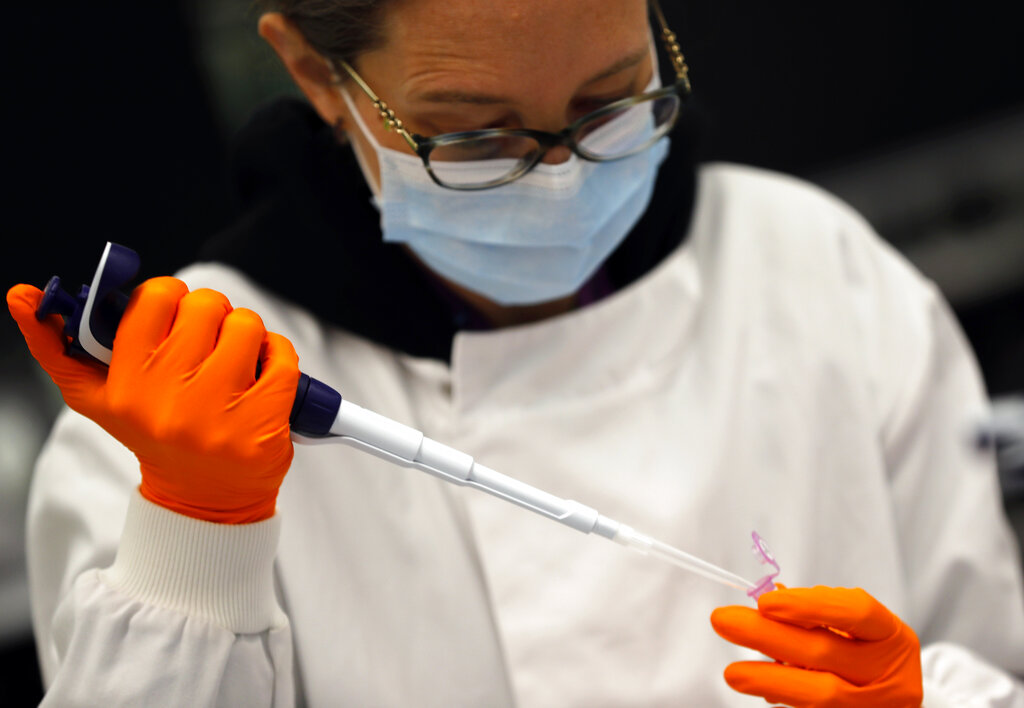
x,y
696,351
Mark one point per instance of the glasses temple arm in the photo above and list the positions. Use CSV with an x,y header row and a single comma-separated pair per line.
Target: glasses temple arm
x,y
391,121
675,52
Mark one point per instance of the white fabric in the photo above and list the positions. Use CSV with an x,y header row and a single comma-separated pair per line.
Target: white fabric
x,y
205,570
947,685
783,371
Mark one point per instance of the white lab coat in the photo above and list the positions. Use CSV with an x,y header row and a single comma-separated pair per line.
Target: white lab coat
x,y
783,371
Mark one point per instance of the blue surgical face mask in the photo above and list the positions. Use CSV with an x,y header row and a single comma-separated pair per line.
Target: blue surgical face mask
x,y
533,240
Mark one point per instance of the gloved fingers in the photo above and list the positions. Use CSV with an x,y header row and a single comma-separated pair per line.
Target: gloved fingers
x,y
45,339
196,328
46,342
816,647
790,685
146,322
851,610
279,365
238,350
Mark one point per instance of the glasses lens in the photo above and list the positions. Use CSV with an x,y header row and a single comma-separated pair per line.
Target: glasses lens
x,y
474,163
625,131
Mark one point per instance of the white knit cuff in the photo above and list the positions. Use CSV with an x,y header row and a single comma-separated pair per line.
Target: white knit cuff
x,y
223,573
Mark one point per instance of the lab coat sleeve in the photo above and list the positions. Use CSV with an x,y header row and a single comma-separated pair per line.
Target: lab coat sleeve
x,y
134,604
960,559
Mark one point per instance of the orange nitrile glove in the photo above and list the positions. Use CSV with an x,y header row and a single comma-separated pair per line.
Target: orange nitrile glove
x,y
181,393
832,646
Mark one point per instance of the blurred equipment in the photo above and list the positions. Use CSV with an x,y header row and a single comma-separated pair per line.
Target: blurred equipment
x,y
953,204
1004,433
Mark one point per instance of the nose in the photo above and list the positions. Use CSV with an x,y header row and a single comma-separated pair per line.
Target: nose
x,y
557,155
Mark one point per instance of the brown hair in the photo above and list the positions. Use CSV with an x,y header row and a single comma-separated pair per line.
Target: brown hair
x,y
336,29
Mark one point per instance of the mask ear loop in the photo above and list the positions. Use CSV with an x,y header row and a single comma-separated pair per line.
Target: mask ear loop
x,y
364,165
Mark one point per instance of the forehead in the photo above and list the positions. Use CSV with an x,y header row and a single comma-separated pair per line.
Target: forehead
x,y
523,40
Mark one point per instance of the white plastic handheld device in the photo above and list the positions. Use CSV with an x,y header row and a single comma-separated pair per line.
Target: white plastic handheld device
x,y
405,446
320,415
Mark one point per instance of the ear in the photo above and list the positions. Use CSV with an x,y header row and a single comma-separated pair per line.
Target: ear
x,y
308,68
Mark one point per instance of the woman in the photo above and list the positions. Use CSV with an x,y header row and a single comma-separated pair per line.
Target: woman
x,y
698,353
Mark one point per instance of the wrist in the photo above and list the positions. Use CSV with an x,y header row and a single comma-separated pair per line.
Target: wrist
x,y
260,509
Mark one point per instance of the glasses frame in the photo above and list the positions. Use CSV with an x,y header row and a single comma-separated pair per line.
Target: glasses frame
x,y
423,146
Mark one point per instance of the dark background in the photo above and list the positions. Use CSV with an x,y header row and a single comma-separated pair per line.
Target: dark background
x,y
118,117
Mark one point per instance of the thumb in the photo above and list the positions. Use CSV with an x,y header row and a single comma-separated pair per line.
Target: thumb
x,y
77,380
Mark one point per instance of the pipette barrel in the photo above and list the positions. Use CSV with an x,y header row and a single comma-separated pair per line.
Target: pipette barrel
x,y
357,422
409,447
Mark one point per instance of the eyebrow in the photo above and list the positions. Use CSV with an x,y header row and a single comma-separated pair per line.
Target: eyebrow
x,y
485,99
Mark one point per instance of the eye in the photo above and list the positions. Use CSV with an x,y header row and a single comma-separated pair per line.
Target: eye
x,y
588,105
462,120
470,150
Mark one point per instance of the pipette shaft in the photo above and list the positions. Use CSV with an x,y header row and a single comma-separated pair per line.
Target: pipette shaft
x,y
408,447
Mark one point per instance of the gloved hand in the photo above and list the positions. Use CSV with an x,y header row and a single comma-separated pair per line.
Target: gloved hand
x,y
832,646
181,393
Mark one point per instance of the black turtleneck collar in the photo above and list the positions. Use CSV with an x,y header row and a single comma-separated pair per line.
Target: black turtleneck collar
x,y
308,232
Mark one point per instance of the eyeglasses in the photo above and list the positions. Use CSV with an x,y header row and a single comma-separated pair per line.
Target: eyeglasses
x,y
484,159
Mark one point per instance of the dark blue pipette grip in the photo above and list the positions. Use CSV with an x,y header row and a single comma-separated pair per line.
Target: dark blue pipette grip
x,y
315,408
316,404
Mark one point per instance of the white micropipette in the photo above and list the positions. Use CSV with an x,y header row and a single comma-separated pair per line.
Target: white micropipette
x,y
320,415
408,447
